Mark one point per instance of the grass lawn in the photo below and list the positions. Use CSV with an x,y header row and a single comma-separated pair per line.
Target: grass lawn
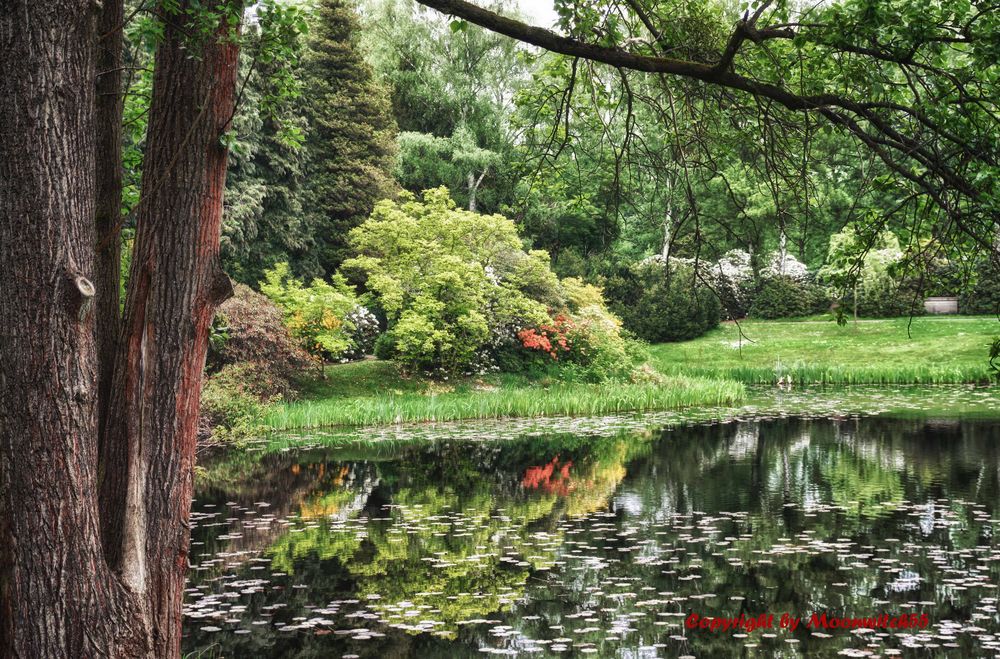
x,y
938,350
374,393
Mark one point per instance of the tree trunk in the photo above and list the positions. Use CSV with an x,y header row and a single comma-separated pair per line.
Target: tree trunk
x,y
57,596
175,284
107,264
668,234
473,184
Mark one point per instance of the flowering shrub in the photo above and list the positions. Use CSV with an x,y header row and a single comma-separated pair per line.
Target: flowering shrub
x,y
785,265
589,345
365,331
732,278
317,315
550,339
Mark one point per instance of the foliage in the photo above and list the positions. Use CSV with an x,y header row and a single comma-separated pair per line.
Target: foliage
x,y
865,267
785,296
350,141
252,363
318,314
984,296
785,265
248,327
235,399
263,222
450,281
663,303
580,295
733,282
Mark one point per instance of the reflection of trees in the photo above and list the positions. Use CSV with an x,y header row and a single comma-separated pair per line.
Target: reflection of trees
x,y
472,508
469,529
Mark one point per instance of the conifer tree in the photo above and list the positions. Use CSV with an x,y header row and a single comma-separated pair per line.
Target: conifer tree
x,y
350,140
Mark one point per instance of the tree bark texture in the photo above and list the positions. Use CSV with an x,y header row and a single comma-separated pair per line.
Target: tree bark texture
x,y
107,264
175,284
57,596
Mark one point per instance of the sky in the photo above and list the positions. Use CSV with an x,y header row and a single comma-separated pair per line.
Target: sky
x,y
540,12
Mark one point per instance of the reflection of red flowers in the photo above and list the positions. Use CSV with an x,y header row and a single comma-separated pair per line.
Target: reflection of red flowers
x,y
548,338
552,478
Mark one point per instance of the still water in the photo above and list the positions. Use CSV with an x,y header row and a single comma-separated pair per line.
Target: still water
x,y
567,544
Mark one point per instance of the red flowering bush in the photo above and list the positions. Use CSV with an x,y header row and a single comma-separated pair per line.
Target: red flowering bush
x,y
551,339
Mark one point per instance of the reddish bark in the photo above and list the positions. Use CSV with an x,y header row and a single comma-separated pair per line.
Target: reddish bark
x,y
176,282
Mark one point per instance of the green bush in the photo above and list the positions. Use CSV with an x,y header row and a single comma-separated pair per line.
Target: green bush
x,y
453,284
785,297
984,296
660,304
235,400
318,315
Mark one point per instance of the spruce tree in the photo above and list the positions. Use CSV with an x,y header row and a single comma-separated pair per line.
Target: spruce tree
x,y
350,139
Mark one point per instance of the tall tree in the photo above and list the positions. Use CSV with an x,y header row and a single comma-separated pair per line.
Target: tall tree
x,y
263,222
92,564
107,266
58,597
350,141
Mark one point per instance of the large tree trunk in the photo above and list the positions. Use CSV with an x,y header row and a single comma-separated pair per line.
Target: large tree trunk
x,y
57,596
107,264
175,284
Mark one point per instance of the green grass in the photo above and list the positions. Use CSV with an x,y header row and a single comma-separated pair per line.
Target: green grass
x,y
396,400
938,350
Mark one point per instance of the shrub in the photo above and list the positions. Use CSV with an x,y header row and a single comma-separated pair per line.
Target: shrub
x,y
867,269
659,303
984,295
787,297
455,285
579,295
785,265
733,280
248,327
252,363
365,332
317,315
235,400
588,346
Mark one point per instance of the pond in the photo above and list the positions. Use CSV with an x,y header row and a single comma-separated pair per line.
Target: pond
x,y
608,544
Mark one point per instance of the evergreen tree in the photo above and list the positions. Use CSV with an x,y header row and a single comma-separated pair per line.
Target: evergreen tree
x,y
350,141
263,223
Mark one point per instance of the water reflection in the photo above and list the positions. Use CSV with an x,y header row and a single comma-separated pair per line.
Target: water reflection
x,y
564,544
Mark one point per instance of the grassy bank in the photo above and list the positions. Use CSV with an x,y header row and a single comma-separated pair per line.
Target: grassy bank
x,y
937,350
373,393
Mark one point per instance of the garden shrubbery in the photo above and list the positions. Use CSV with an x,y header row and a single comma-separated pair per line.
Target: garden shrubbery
x,y
326,317
984,295
462,296
659,303
252,362
784,296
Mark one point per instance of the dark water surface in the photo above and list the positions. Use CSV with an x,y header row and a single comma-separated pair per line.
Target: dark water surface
x,y
572,545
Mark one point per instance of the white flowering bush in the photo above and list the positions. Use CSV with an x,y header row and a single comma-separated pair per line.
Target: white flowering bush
x,y
785,265
732,278
365,330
